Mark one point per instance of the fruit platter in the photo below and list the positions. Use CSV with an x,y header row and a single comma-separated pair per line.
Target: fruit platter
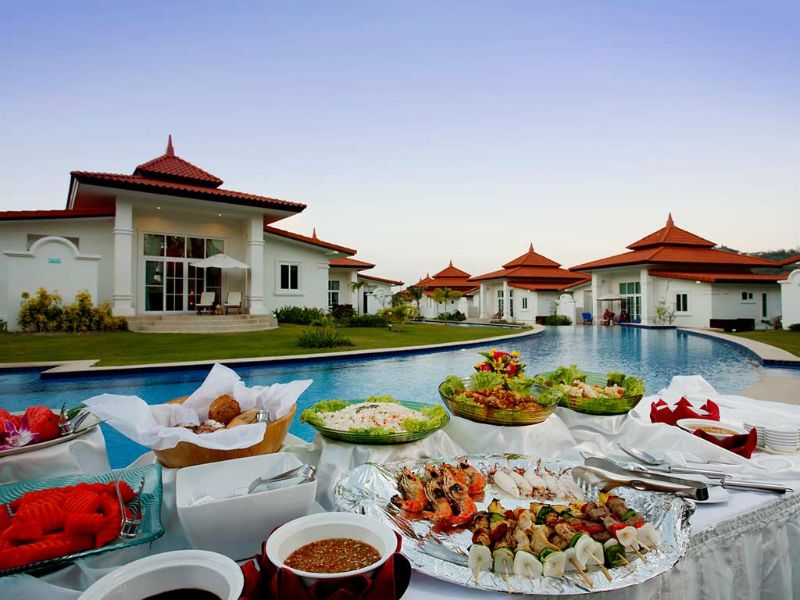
x,y
40,427
518,524
593,393
376,420
498,393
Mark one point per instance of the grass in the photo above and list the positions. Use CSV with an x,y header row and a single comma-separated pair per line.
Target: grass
x,y
787,340
127,348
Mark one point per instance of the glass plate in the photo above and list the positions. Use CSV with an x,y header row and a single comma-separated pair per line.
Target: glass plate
x,y
390,438
496,416
150,529
598,406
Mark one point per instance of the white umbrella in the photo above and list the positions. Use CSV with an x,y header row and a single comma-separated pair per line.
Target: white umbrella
x,y
610,298
222,261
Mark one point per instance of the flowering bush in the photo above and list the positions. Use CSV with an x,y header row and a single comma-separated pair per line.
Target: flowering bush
x,y
44,312
506,364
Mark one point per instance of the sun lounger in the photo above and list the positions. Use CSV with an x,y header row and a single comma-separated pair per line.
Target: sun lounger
x,y
206,302
234,301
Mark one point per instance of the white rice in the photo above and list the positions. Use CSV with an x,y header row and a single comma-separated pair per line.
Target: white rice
x,y
368,415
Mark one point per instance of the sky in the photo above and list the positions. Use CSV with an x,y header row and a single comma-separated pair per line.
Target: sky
x,y
420,132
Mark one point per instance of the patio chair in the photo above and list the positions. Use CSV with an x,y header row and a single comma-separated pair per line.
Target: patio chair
x,y
587,318
234,301
206,302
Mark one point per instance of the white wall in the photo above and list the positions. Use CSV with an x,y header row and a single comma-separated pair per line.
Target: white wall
x,y
94,238
728,304
313,274
790,299
378,297
699,301
345,277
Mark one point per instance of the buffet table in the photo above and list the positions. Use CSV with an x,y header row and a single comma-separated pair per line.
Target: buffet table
x,y
743,548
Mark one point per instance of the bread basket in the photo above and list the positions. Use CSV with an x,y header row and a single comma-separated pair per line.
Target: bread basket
x,y
188,455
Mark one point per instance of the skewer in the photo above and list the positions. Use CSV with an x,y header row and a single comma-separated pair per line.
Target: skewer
x,y
508,583
639,554
631,566
582,573
602,566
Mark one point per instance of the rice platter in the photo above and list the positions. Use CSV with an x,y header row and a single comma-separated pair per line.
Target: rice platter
x,y
388,416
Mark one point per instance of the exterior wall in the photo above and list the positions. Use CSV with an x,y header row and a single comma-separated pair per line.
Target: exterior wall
x,y
313,274
27,274
727,302
699,300
345,277
429,309
378,297
790,299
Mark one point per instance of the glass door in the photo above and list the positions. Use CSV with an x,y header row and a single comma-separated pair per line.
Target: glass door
x,y
174,300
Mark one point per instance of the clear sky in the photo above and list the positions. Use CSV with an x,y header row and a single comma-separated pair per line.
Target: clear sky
x,y
418,132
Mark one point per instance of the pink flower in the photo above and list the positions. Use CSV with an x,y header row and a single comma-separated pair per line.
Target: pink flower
x,y
12,436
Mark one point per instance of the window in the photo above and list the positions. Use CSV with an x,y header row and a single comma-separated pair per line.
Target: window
x,y
747,296
289,277
333,292
632,298
764,304
525,303
682,303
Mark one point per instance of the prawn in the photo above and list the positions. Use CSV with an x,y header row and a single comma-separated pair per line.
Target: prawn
x,y
477,482
458,495
413,497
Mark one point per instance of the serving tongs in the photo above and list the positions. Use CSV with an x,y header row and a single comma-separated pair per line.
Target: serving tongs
x,y
699,487
69,421
130,525
589,477
304,472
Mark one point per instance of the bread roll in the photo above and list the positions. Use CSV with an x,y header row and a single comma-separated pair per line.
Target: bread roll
x,y
245,418
224,409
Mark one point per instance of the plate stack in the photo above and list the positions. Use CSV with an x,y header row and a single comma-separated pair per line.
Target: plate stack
x,y
782,438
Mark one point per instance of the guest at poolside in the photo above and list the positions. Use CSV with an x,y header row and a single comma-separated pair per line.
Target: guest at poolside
x,y
608,317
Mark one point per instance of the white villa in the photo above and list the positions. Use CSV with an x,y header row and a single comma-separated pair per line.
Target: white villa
x,y
525,289
130,239
456,280
348,284
704,285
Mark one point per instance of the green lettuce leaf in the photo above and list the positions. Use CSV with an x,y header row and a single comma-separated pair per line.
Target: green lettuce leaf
x,y
436,417
485,380
384,398
521,385
549,396
311,417
633,386
615,378
568,374
452,385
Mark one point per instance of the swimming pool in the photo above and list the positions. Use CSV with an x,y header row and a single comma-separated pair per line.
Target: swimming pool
x,y
654,355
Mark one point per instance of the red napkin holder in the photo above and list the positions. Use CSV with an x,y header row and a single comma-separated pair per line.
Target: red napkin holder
x,y
264,581
660,412
743,444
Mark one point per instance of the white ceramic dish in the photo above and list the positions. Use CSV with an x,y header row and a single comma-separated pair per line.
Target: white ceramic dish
x,y
236,525
312,528
691,425
169,571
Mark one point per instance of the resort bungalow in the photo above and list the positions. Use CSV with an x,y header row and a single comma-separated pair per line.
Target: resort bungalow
x,y
347,284
456,280
525,289
674,270
131,239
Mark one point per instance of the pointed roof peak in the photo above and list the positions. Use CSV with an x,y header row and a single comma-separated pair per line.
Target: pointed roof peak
x,y
671,234
451,263
670,222
531,259
170,150
530,248
172,168
314,234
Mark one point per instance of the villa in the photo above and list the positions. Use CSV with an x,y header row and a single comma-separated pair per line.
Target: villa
x,y
525,289
348,284
455,280
130,239
675,270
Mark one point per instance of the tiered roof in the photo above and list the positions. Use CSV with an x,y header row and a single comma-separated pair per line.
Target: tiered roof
x,y
534,272
680,254
349,263
450,277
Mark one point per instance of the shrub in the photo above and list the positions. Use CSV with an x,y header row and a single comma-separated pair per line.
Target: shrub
x,y
326,321
399,313
456,315
777,322
366,321
794,327
343,311
302,315
322,337
42,311
557,320
500,321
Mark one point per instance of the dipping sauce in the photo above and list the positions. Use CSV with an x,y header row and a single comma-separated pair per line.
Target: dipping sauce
x,y
334,555
184,594
716,430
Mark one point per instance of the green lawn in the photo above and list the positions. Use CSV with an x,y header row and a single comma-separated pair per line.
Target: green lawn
x,y
788,340
125,348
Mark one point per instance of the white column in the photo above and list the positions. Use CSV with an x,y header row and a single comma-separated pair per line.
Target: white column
x,y
123,260
484,312
505,299
255,257
596,316
644,283
353,293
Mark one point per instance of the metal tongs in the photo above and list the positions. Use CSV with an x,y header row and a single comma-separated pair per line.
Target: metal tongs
x,y
69,425
304,472
688,488
130,525
605,480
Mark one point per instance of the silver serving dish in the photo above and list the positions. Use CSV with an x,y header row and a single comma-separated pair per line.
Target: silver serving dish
x,y
367,489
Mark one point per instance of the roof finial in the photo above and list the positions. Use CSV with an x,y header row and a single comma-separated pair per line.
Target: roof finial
x,y
451,262
314,233
170,150
531,248
669,219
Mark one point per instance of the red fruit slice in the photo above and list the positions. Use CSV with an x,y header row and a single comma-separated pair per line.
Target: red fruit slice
x,y
82,501
23,531
57,495
48,514
7,416
43,422
125,490
79,543
47,549
109,506
5,517
108,532
14,557
84,524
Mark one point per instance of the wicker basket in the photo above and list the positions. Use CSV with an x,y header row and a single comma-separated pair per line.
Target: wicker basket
x,y
188,455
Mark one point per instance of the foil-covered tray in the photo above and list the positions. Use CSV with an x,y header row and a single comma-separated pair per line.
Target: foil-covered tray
x,y
368,489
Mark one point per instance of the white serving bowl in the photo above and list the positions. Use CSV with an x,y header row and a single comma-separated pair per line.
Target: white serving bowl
x,y
321,526
237,525
159,573
691,425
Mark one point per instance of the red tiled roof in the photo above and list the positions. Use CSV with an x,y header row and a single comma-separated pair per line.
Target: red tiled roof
x,y
670,234
451,271
349,263
380,279
789,261
677,255
175,168
449,277
146,184
313,240
541,287
531,259
720,277
424,281
84,213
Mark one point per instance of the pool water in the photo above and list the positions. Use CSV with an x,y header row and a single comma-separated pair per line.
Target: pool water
x,y
654,355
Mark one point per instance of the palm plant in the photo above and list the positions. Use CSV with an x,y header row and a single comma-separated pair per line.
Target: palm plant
x,y
355,287
445,295
416,292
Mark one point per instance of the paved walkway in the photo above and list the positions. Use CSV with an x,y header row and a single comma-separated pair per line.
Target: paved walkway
x,y
769,355
783,387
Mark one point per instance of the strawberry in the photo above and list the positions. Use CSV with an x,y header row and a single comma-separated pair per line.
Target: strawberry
x,y
42,422
48,515
23,531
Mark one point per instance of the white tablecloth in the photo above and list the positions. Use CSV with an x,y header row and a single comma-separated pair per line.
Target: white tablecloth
x,y
744,548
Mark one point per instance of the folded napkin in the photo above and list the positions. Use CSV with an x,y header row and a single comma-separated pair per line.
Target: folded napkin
x,y
743,444
263,580
661,412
